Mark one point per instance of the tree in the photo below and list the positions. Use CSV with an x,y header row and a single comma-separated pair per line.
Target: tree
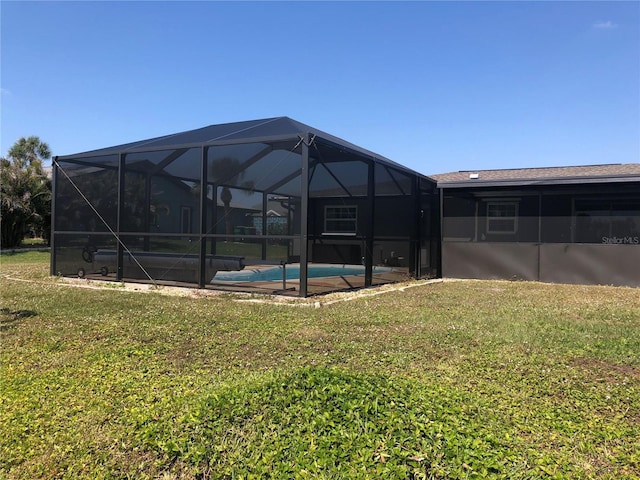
x,y
25,192
229,170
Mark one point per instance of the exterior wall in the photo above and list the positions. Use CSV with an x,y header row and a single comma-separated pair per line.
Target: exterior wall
x,y
590,264
490,261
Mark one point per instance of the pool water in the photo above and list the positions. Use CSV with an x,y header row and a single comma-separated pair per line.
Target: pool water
x,y
293,273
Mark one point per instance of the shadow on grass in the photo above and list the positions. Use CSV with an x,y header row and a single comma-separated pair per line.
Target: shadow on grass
x,y
9,318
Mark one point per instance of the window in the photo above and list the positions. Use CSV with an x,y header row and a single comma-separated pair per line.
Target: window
x,y
342,220
185,219
502,217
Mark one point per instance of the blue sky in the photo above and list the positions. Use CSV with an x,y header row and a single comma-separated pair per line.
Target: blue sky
x,y
436,86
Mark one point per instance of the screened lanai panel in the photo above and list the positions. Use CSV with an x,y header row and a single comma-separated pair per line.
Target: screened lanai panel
x,y
275,171
253,211
234,212
336,171
339,179
491,216
395,222
154,258
323,184
395,217
393,260
179,162
458,217
255,166
204,135
390,181
85,210
227,163
269,127
75,253
557,219
157,201
607,220
87,195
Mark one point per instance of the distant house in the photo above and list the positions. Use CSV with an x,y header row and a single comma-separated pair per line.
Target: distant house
x,y
564,225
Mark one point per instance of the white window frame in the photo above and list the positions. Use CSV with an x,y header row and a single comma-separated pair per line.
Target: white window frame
x,y
327,218
513,218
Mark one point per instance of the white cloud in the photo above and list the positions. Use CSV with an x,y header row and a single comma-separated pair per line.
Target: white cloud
x,y
605,25
4,91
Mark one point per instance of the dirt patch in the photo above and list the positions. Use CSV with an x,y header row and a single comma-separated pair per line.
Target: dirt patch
x,y
183,291
602,371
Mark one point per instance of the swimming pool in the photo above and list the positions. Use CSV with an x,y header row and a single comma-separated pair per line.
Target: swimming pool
x,y
273,274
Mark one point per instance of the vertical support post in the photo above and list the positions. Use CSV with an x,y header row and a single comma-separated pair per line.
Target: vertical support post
x,y
264,225
120,219
369,227
441,233
290,250
417,236
52,242
284,276
304,211
214,216
202,281
147,213
414,238
539,231
540,217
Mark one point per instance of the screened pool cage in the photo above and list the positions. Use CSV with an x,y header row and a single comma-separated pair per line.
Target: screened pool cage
x,y
271,206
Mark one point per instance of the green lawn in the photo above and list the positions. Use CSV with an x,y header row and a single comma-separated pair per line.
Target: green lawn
x,y
451,380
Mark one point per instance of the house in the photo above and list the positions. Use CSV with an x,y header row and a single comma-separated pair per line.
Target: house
x,y
274,205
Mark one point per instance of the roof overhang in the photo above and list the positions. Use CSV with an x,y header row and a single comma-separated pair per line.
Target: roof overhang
x,y
540,181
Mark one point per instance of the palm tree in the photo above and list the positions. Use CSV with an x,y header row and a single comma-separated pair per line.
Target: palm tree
x,y
229,172
25,192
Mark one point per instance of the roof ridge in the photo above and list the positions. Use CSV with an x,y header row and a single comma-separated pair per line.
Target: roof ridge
x,y
545,168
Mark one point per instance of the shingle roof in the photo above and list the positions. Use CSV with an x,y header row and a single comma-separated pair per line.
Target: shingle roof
x,y
621,172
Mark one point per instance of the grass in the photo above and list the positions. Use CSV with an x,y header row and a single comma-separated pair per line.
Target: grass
x,y
34,242
453,380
